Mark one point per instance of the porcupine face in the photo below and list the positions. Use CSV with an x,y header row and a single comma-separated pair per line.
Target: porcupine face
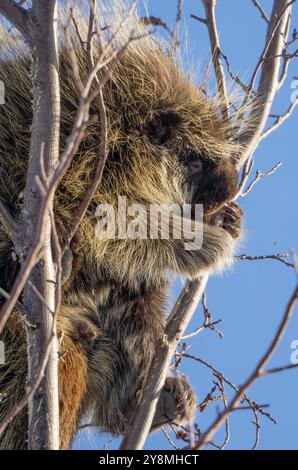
x,y
170,137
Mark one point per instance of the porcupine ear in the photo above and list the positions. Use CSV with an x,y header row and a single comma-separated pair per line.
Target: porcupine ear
x,y
160,129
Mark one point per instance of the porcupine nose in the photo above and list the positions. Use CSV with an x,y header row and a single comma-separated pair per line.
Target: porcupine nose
x,y
214,183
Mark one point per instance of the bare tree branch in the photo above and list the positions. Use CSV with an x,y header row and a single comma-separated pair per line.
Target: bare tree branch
x,y
221,387
258,427
142,418
232,75
261,10
8,222
287,59
209,6
259,176
21,309
280,120
170,440
22,277
103,151
46,156
202,328
252,405
279,257
16,15
198,18
208,323
258,372
276,370
73,142
38,226
269,63
43,430
175,33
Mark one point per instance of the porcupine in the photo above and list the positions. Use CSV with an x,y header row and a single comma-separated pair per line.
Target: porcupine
x,y
167,143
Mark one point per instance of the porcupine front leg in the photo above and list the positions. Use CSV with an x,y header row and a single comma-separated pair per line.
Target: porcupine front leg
x,y
220,232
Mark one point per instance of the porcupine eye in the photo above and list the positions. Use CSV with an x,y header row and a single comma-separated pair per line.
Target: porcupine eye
x,y
196,163
161,128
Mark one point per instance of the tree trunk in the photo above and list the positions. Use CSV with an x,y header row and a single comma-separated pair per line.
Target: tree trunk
x,y
43,430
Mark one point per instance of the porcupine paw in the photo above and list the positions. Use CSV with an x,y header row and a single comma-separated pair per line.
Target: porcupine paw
x,y
232,219
176,403
229,217
84,332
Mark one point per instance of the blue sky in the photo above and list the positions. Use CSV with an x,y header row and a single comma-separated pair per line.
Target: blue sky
x,y
251,298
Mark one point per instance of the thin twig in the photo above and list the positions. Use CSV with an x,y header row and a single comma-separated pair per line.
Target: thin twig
x,y
259,176
258,427
154,21
41,298
198,18
217,373
209,398
269,41
280,120
8,222
209,6
202,328
208,323
257,372
16,15
208,316
261,10
175,34
23,312
279,257
278,369
103,153
268,83
170,439
221,387
232,75
21,279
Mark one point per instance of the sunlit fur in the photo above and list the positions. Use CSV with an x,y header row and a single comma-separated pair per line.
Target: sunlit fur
x,y
113,308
